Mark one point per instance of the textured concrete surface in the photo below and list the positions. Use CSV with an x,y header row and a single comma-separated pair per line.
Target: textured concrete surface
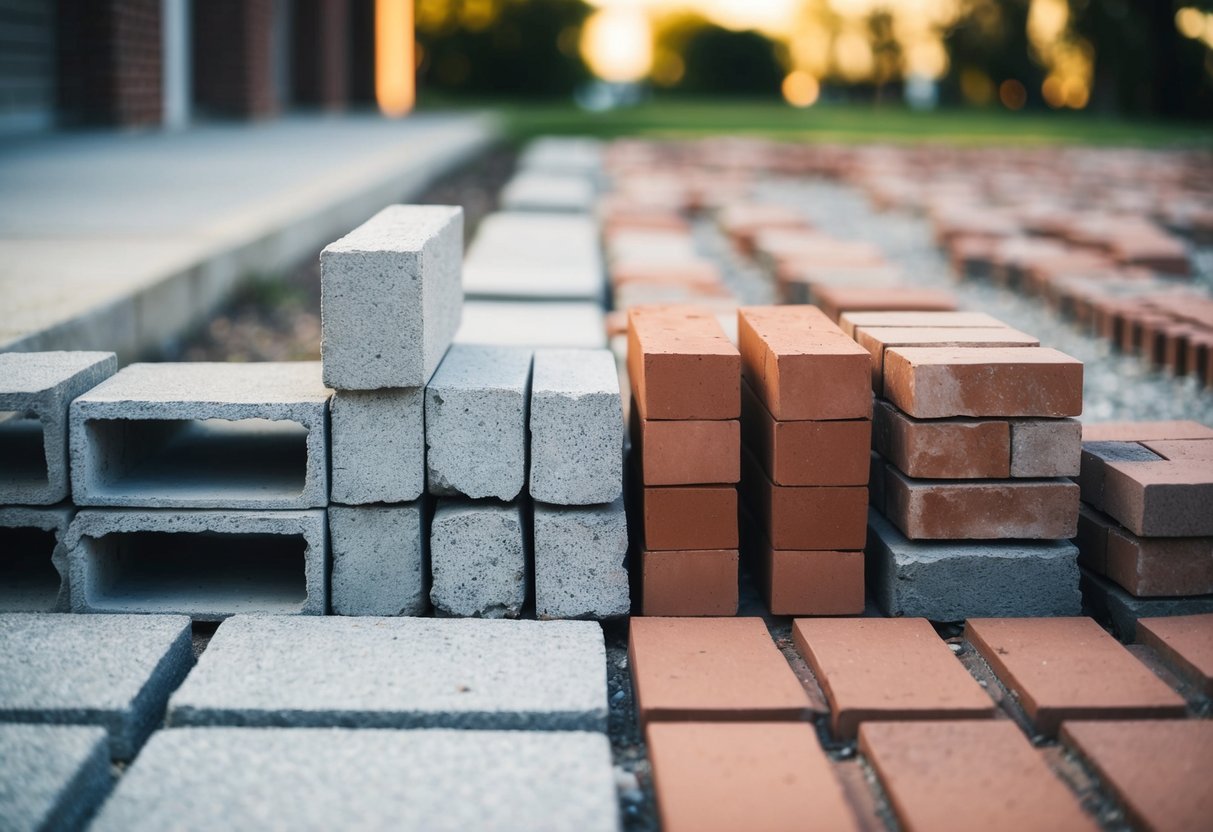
x,y
380,560
1046,447
203,435
579,561
35,392
576,428
205,564
52,777
390,297
398,673
478,559
580,325
33,558
955,580
378,446
537,190
475,422
1107,602
113,671
528,255
249,778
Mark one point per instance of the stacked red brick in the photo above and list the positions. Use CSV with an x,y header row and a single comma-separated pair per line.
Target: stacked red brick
x,y
686,436
806,424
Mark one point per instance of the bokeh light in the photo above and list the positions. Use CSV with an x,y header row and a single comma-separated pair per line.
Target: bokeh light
x,y
800,89
617,43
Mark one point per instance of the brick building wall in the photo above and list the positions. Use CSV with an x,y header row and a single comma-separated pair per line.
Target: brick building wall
x,y
233,62
109,62
320,53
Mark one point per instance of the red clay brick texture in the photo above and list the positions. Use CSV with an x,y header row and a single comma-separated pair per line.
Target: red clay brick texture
x,y
806,452
694,582
835,300
968,775
813,517
1161,499
876,339
726,777
942,449
1186,643
690,517
711,669
887,669
688,452
1069,668
1157,769
799,582
682,365
1145,566
1144,431
851,321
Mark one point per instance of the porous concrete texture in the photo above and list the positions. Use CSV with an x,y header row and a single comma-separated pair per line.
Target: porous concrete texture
x,y
52,777
1046,447
203,435
576,428
429,780
378,446
391,297
1104,600
478,559
579,324
579,561
112,671
543,191
528,255
36,389
380,562
476,422
956,580
204,564
299,672
33,558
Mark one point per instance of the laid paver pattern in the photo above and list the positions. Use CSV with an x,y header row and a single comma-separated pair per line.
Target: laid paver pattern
x,y
51,776
1185,642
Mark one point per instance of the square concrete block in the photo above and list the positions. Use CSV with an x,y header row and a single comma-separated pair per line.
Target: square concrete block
x,y
112,671
35,391
391,297
204,564
579,561
194,779
1046,447
379,560
33,558
478,559
476,422
378,441
576,428
51,776
203,435
298,672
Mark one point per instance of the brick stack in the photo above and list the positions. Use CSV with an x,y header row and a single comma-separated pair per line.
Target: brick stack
x,y
686,405
806,422
1145,533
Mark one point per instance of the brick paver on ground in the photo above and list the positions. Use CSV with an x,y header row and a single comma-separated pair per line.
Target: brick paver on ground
x,y
1186,643
52,777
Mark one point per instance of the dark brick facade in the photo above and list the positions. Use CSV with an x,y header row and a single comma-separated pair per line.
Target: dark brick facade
x,y
320,57
109,62
233,58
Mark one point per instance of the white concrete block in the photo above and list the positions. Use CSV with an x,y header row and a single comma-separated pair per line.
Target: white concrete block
x,y
478,559
378,439
33,558
379,560
579,561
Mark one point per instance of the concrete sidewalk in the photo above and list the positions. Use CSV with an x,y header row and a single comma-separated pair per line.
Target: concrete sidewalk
x,y
123,242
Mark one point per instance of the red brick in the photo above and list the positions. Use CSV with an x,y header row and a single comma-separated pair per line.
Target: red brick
x,y
801,366
941,382
1160,499
1185,642
1159,566
711,669
1046,447
1094,461
809,517
944,448
835,300
1144,431
1069,668
806,582
682,365
887,669
1182,449
725,777
1158,770
967,775
690,517
808,452
876,339
689,582
849,321
687,452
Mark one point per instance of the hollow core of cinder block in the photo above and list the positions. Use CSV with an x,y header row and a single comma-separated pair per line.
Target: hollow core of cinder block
x,y
22,451
29,581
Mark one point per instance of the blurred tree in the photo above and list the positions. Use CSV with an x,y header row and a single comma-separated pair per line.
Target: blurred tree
x,y
988,44
886,51
719,61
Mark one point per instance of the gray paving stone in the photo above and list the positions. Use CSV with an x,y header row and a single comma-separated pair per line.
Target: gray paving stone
x,y
203,435
475,422
321,779
379,560
576,324
33,558
112,671
1104,600
378,439
478,559
530,255
952,581
562,154
579,561
391,297
207,564
576,427
536,190
398,673
52,777
35,391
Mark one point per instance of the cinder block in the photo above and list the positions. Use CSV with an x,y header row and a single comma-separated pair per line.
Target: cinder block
x,y
391,297
112,671
36,389
378,439
33,559
204,564
1046,447
1104,600
946,581
380,562
51,776
476,422
265,670
478,559
579,561
436,781
576,428
203,435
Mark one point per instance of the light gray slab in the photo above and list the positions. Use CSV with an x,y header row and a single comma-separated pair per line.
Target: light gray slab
x,y
542,191
33,558
380,563
579,561
529,255
378,439
563,154
579,324
52,777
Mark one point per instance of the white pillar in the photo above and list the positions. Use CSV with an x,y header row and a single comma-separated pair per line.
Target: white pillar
x,y
175,29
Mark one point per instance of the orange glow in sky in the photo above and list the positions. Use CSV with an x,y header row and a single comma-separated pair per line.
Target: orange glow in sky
x,y
395,64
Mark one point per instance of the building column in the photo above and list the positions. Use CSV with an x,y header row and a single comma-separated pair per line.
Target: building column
x,y
177,89
233,61
321,53
109,62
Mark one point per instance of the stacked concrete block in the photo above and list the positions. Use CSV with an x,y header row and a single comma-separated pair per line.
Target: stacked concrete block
x,y
685,377
806,424
478,557
34,575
